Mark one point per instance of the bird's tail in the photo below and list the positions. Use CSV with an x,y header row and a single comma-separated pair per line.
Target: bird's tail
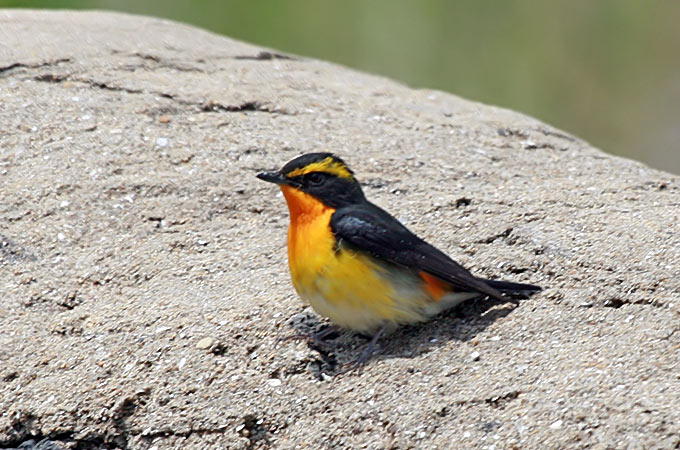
x,y
513,289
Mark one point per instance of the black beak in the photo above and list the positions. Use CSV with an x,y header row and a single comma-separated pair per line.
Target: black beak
x,y
273,177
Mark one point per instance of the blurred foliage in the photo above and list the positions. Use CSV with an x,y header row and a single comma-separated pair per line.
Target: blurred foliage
x,y
608,70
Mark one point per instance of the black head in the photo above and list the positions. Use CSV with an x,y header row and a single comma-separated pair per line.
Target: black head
x,y
322,175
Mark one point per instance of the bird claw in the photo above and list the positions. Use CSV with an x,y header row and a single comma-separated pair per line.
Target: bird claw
x,y
317,338
359,363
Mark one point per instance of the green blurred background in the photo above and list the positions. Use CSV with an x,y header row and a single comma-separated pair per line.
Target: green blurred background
x,y
606,70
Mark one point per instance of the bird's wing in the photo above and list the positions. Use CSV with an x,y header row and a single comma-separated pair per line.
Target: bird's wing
x,y
370,229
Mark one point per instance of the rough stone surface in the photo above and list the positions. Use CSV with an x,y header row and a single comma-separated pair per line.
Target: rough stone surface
x,y
133,232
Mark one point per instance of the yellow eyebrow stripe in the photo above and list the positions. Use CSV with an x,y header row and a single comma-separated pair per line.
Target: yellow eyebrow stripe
x,y
327,165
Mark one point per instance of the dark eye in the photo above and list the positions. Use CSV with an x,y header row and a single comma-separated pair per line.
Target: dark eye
x,y
315,178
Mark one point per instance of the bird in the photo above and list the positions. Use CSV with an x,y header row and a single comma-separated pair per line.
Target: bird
x,y
357,265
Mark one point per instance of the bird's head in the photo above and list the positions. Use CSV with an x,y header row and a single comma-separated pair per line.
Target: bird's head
x,y
323,176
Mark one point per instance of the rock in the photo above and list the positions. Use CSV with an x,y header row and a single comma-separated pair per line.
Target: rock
x,y
556,425
141,149
204,343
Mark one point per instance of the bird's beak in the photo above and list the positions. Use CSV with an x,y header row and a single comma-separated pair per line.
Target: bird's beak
x,y
273,177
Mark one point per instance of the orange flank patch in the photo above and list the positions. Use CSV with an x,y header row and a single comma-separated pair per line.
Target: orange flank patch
x,y
434,286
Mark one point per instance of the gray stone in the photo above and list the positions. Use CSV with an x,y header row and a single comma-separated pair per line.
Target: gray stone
x,y
128,153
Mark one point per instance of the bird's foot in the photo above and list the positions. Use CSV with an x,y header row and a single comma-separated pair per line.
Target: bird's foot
x,y
318,338
370,349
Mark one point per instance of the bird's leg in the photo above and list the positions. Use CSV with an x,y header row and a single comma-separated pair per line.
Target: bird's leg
x,y
321,335
317,338
366,354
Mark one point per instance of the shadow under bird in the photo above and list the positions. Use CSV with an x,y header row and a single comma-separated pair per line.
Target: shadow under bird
x,y
360,267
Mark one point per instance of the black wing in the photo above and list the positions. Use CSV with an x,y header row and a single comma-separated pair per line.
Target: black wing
x,y
369,228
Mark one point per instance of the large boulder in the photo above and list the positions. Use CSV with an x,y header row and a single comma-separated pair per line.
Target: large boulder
x,y
143,269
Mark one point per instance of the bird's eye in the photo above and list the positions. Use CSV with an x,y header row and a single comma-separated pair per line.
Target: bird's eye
x,y
315,178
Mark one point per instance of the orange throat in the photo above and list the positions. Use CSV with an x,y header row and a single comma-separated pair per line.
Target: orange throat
x,y
310,240
303,207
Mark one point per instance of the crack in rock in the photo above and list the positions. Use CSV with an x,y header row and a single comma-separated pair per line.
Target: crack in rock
x,y
212,106
164,63
265,56
246,106
502,235
34,66
497,401
164,433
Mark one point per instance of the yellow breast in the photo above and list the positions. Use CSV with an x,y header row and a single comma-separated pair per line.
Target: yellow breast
x,y
350,288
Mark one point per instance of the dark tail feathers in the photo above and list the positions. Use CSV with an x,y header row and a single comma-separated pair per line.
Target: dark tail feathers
x,y
513,289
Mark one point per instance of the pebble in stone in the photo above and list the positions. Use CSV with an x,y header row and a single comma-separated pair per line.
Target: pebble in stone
x,y
274,382
204,343
162,142
556,425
